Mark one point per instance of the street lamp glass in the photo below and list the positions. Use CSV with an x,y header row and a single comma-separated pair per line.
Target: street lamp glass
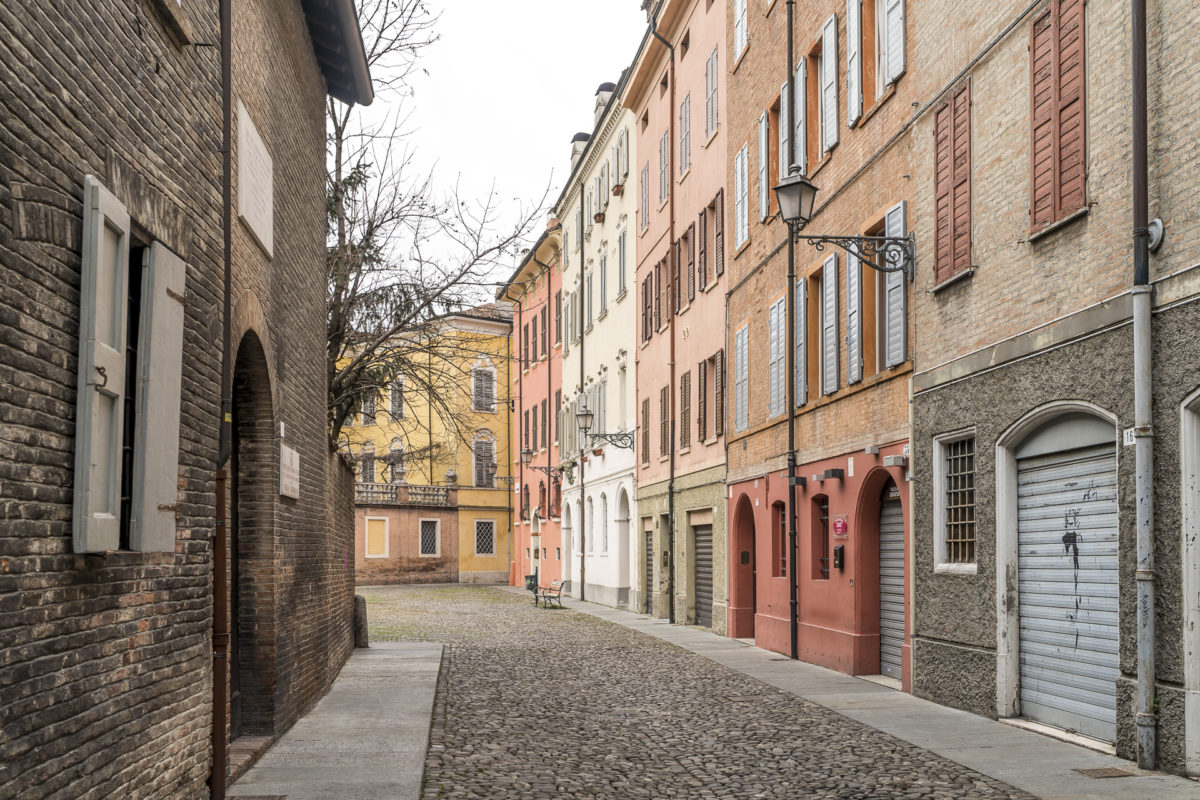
x,y
797,196
584,417
526,456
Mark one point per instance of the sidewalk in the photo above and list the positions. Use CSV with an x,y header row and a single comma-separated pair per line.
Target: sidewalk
x,y
365,740
1040,765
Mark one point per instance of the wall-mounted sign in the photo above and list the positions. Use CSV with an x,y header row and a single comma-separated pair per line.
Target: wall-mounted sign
x,y
255,182
841,526
289,472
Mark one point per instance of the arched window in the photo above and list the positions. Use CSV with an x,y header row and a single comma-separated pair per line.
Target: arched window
x,y
542,498
525,501
603,532
589,527
395,462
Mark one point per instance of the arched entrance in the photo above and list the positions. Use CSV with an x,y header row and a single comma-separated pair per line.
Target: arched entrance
x,y
568,545
252,545
623,583
743,575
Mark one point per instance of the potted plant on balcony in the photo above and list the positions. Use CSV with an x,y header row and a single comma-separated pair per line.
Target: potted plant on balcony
x,y
618,189
598,217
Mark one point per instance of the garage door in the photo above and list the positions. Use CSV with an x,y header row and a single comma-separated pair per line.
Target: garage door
x,y
648,580
891,585
704,575
1067,583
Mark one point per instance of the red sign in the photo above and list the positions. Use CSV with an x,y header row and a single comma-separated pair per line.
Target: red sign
x,y
841,527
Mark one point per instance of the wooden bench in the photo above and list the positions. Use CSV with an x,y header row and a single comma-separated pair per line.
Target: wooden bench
x,y
550,594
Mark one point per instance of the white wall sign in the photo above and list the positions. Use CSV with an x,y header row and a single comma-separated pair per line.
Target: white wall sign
x,y
256,183
289,472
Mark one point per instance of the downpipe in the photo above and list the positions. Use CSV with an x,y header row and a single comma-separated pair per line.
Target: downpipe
x,y
790,389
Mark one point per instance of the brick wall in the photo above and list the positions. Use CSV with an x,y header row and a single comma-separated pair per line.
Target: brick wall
x,y
404,562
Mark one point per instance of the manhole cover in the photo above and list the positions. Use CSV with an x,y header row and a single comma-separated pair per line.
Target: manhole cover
x,y
1105,772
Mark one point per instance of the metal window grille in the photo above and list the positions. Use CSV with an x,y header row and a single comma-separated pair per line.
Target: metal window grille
x,y
783,541
429,537
485,537
823,543
960,501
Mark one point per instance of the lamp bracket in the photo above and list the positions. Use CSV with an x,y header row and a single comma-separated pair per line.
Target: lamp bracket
x,y
882,253
622,440
553,472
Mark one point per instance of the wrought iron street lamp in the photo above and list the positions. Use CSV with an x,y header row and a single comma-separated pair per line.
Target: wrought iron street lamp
x,y
584,417
527,459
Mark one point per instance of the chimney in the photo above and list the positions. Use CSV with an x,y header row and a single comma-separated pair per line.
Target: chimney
x,y
578,143
603,94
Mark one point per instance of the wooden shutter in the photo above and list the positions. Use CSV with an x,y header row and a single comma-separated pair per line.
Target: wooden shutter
x,y
685,410
801,376
800,101
776,347
658,291
646,430
691,259
853,319
764,196
1071,169
829,326
895,39
100,399
160,373
701,401
481,462
1044,120
677,275
829,85
784,156
894,294
741,380
702,241
664,420
952,184
854,94
719,393
719,235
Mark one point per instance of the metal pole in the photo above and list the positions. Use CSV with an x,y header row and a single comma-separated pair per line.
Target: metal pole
x,y
1142,404
791,345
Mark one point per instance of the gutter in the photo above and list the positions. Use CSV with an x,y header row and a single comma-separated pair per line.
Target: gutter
x,y
357,56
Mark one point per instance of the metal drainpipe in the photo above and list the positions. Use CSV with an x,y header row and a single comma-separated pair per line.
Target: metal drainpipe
x,y
791,347
670,320
583,518
520,426
1142,402
508,446
220,633
550,479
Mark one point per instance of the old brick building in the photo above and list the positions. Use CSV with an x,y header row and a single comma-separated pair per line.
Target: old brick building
x,y
112,290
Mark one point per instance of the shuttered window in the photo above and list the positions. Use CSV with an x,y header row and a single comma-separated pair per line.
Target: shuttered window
x,y
603,283
952,184
647,307
485,455
894,27
685,134
664,420
396,404
691,262
710,95
764,191
558,317
799,102
622,255
645,196
741,36
702,401
1057,114
741,388
829,325
829,85
741,197
784,156
664,170
566,342
685,410
483,391
719,234
659,279
368,407
895,307
801,342
545,331
702,243
719,393
854,94
645,432
776,358
676,271
853,319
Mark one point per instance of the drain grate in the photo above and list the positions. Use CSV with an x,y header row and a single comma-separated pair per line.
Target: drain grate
x,y
1105,772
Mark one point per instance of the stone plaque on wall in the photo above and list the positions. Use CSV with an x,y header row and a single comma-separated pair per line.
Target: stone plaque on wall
x,y
289,472
256,183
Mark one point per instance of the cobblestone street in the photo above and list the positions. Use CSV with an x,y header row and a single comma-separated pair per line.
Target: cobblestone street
x,y
536,703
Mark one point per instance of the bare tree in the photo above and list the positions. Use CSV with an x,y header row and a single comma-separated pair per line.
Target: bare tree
x,y
402,255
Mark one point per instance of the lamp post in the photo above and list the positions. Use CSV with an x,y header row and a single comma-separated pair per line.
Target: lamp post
x,y
585,416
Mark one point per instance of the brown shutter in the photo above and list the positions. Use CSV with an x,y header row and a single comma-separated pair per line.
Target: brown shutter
x,y
664,417
675,270
647,314
691,257
1043,120
719,393
685,410
943,196
646,430
961,207
1071,169
702,229
658,290
701,401
719,235
558,316
952,184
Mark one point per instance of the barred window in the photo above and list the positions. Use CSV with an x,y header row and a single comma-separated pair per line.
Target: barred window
x,y
485,537
429,537
959,500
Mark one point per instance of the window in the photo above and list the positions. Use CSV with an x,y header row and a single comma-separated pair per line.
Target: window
x,y
366,467
588,297
828,70
820,538
952,185
545,426
764,188
644,218
854,60
395,462
526,360
741,197
829,326
664,420
690,251
891,37
710,95
558,317
779,122
533,428
894,297
854,349
719,393
485,537
396,405
1057,113
532,355
525,432
648,307
685,410
645,432
779,540
800,103
621,256
377,537
702,405
954,511
603,284
368,406
685,134
664,170
483,390
703,226
431,538
558,413
776,358
545,331
801,342
566,341
718,206
740,35
742,379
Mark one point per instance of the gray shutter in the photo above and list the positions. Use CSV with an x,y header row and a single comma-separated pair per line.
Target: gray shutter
x,y
853,319
160,351
801,339
772,354
895,39
894,295
829,85
785,150
800,101
829,326
99,412
743,380
854,92
764,197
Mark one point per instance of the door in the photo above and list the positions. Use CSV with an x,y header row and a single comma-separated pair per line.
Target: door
x,y
891,582
1067,587
648,582
703,576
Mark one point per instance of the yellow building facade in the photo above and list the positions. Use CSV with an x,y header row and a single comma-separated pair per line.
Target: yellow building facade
x,y
433,497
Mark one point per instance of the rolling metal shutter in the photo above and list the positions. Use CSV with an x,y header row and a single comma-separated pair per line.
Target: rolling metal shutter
x,y
1067,576
649,583
704,575
891,587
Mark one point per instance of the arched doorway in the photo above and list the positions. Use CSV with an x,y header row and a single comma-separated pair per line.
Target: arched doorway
x,y
253,484
623,586
568,546
743,592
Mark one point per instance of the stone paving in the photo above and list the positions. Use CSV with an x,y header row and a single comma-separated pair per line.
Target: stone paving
x,y
536,703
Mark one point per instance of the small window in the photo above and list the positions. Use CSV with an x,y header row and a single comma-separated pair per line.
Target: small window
x,y
685,134
483,390
485,463
485,537
430,537
741,196
710,95
368,407
780,539
377,537
820,538
397,399
741,37
954,484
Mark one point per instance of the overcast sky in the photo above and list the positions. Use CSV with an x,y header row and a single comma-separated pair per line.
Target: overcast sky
x,y
510,82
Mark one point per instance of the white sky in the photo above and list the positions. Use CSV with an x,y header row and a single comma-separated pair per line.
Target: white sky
x,y
510,82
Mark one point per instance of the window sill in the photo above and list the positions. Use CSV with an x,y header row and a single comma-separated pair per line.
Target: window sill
x,y
603,313
368,555
739,249
663,457
683,451
181,29
956,569
878,104
961,275
683,175
620,296
737,62
712,135
1059,224
663,202
710,441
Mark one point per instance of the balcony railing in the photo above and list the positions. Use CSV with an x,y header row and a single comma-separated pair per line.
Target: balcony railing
x,y
402,494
